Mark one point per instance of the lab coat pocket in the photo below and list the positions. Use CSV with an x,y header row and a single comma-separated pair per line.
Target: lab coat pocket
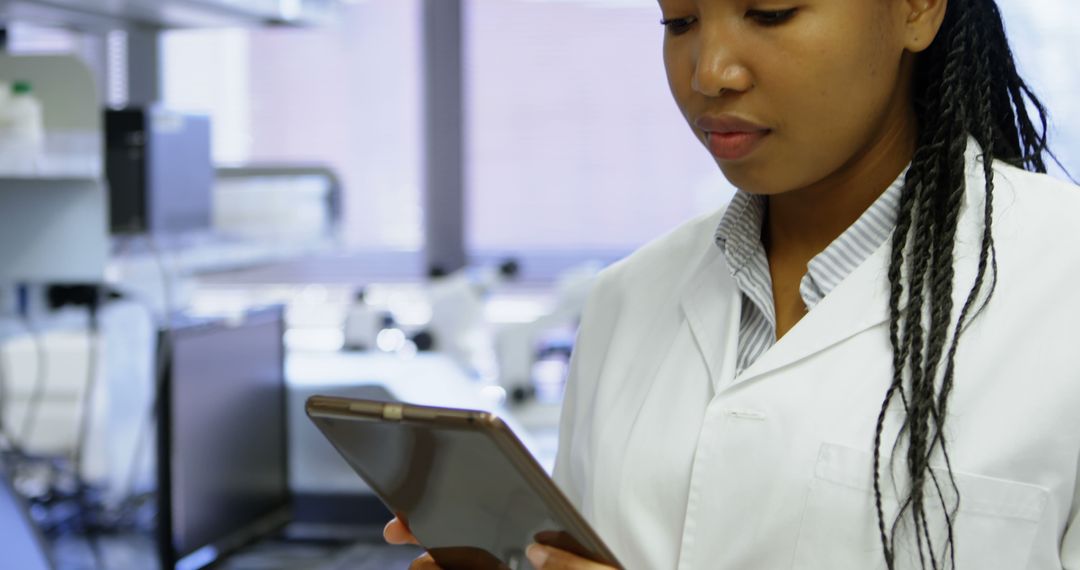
x,y
994,528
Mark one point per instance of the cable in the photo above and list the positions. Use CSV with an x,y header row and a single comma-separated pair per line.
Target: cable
x,y
162,328
3,397
166,278
94,347
127,511
161,352
37,394
67,497
9,443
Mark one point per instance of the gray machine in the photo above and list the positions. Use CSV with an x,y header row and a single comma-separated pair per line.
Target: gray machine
x,y
160,171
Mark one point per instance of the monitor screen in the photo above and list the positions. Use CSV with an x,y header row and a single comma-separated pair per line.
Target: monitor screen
x,y
23,547
223,457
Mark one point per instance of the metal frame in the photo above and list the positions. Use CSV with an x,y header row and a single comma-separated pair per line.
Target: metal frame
x,y
444,135
103,15
144,74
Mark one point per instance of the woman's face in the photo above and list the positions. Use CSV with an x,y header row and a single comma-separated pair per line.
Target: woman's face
x,y
789,93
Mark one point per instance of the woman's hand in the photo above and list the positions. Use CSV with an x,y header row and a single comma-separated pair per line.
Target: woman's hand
x,y
549,558
542,557
397,532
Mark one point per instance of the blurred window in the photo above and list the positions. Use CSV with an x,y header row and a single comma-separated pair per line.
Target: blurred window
x,y
574,142
347,95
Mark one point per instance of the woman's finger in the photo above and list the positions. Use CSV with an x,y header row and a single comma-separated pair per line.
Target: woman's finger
x,y
397,533
425,562
548,558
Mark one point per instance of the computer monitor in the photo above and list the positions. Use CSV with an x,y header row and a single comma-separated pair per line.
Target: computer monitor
x,y
222,465
23,546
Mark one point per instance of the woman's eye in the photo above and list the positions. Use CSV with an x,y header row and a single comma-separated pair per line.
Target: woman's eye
x,y
678,26
771,17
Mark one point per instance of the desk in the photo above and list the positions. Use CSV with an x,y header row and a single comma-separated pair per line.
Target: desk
x,y
117,552
139,552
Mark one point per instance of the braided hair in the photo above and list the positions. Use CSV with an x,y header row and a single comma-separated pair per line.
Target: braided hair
x,y
965,85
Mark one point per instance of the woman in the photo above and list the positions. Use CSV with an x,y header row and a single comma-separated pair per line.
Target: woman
x,y
864,361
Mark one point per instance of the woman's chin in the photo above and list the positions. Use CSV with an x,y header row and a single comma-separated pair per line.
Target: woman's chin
x,y
753,180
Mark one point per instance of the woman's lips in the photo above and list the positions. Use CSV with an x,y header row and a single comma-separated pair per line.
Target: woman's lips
x,y
731,137
734,145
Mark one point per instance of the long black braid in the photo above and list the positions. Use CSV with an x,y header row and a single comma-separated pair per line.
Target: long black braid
x,y
966,85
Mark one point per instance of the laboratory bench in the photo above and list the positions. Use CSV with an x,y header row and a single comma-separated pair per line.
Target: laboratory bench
x,y
139,552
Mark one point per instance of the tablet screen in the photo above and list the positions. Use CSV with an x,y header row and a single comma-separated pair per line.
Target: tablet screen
x,y
462,497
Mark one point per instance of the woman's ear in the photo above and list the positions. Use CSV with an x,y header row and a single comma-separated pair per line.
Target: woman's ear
x,y
924,18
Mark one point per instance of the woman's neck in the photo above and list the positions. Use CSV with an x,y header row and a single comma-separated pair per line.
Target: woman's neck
x,y
800,224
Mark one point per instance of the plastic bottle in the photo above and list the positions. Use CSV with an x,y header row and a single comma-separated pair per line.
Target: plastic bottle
x,y
22,132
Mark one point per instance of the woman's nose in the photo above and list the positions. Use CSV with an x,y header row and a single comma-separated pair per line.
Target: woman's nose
x,y
720,70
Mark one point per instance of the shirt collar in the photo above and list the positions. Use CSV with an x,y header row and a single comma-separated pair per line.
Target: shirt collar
x,y
847,252
739,237
739,232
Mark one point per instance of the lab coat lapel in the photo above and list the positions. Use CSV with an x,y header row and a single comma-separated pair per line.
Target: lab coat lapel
x,y
860,301
706,299
711,304
700,301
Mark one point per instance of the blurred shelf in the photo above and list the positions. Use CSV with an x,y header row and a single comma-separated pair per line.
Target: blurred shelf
x,y
7,180
54,222
111,14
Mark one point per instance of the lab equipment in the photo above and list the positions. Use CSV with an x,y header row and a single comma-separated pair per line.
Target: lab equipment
x,y
519,347
160,171
363,323
457,324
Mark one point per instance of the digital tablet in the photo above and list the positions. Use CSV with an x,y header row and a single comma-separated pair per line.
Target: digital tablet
x,y
466,486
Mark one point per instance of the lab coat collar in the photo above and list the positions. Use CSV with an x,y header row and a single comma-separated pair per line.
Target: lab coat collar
x,y
858,303
712,306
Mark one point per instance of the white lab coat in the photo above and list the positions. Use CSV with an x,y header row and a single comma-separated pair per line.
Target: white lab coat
x,y
678,463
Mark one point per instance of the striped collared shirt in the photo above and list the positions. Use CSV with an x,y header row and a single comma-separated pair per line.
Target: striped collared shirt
x,y
739,237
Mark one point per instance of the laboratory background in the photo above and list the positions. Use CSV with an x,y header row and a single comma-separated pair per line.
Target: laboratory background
x,y
211,210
